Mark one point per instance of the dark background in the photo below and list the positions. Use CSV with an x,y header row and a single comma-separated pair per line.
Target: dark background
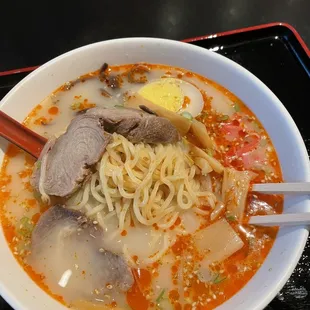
x,y
32,33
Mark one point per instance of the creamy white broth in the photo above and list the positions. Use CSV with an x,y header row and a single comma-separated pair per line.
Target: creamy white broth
x,y
90,90
139,241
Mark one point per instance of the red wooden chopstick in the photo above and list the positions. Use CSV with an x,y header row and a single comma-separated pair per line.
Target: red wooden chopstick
x,y
21,136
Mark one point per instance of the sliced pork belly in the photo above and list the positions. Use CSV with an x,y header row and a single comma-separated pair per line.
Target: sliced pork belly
x,y
137,125
67,248
66,161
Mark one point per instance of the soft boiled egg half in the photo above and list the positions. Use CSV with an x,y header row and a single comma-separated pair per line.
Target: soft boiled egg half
x,y
175,95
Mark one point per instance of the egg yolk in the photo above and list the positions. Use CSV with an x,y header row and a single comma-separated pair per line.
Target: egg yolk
x,y
165,93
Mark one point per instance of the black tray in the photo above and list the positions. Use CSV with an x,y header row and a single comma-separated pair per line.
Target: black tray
x,y
277,55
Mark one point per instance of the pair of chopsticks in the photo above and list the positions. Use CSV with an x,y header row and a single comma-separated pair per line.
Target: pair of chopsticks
x,y
290,219
33,144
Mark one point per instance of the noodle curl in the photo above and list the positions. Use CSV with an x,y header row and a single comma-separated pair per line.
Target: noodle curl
x,y
155,182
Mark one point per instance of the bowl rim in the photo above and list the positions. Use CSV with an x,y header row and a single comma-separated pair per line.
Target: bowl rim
x,y
11,297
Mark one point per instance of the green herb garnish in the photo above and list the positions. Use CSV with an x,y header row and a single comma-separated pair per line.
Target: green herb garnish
x,y
210,152
237,107
231,218
219,278
76,105
187,115
25,221
37,196
204,115
38,163
223,118
26,227
119,106
160,296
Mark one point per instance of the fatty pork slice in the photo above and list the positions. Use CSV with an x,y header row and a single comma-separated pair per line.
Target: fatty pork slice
x,y
137,125
67,248
66,161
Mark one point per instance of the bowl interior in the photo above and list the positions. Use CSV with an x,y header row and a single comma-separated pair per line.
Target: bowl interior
x,y
19,290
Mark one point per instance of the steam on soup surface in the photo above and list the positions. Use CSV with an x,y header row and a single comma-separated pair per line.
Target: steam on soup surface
x,y
141,197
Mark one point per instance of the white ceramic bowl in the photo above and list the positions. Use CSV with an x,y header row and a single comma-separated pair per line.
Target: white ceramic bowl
x,y
15,285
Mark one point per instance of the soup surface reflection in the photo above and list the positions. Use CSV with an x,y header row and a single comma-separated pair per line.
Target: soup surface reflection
x,y
143,201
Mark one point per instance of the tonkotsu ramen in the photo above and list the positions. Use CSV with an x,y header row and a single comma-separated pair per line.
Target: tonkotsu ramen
x,y
141,197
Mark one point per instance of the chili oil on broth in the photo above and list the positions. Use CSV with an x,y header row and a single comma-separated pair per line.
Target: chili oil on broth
x,y
235,130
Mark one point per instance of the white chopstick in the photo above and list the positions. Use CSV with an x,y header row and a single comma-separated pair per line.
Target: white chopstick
x,y
293,219
282,188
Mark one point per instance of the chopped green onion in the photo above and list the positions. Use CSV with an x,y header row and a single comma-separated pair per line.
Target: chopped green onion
x,y
223,118
119,106
204,114
160,296
231,218
237,107
210,152
187,115
218,279
26,227
75,105
38,163
25,220
37,195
